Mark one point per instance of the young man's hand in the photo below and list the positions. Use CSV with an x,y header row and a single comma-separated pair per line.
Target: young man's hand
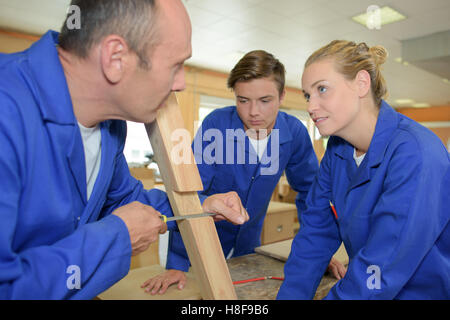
x,y
160,283
228,206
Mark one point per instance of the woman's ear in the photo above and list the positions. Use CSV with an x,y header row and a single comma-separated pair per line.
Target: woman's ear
x,y
363,83
114,56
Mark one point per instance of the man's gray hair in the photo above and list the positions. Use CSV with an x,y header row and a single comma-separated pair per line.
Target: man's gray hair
x,y
134,20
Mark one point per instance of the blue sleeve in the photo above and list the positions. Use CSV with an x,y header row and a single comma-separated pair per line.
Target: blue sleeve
x,y
403,227
205,167
315,243
100,250
302,167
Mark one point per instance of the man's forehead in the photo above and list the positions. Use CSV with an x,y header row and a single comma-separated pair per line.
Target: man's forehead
x,y
175,28
173,13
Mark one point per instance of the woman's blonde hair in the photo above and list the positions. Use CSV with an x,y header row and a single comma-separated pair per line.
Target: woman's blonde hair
x,y
350,58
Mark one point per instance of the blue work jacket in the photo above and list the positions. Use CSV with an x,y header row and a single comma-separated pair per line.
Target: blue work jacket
x,y
49,233
289,149
392,216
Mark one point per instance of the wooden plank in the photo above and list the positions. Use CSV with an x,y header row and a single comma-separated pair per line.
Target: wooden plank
x,y
182,181
145,175
173,153
147,258
280,250
129,288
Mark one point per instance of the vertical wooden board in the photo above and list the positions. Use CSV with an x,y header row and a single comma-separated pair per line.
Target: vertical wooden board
x,y
182,183
173,144
203,247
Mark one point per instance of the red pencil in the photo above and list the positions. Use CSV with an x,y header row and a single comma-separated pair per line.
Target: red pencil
x,y
333,209
257,279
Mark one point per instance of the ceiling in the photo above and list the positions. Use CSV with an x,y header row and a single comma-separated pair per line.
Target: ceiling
x,y
290,29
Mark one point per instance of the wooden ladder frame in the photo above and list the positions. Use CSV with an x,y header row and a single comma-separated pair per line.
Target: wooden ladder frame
x,y
182,181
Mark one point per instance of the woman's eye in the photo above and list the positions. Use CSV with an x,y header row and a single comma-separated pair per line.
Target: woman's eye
x,y
306,97
322,89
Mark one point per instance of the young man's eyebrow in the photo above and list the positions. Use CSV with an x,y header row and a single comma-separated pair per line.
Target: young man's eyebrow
x,y
264,97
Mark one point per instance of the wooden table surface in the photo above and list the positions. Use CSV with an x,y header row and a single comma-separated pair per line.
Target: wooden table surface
x,y
256,265
241,268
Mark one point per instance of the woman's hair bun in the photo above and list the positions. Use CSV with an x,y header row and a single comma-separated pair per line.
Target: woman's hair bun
x,y
379,54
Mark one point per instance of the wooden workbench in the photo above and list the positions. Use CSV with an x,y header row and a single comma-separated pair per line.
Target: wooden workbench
x,y
245,267
256,265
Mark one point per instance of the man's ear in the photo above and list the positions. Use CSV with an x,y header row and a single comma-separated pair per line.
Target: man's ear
x,y
363,83
114,57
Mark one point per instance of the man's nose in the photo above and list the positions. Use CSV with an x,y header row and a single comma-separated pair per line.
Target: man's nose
x,y
254,109
179,83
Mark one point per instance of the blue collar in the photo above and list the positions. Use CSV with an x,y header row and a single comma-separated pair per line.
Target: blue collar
x,y
280,124
51,82
387,123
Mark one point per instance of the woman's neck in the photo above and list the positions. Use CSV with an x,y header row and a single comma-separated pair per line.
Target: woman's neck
x,y
360,132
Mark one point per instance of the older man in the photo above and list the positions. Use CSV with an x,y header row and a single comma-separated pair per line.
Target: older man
x,y
71,214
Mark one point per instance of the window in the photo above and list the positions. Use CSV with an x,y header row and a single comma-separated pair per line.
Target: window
x,y
137,145
208,104
304,117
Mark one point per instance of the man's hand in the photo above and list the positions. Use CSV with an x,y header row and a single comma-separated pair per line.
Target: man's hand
x,y
163,281
144,225
228,206
337,269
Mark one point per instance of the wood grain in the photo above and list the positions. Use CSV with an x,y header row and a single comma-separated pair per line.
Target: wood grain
x,y
182,181
129,288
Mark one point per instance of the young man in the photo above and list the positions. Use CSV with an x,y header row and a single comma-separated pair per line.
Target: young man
x,y
71,214
245,148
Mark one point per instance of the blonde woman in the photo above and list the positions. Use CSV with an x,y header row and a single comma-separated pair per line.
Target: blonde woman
x,y
388,178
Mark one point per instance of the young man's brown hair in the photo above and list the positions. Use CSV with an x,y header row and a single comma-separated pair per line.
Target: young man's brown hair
x,y
258,64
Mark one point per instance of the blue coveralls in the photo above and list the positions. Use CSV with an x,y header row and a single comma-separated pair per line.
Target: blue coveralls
x,y
253,181
47,225
393,217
